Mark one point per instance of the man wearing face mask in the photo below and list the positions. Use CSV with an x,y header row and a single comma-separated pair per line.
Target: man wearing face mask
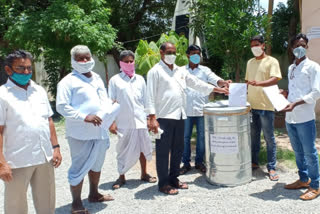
x,y
304,91
29,148
81,96
194,110
166,101
262,71
129,90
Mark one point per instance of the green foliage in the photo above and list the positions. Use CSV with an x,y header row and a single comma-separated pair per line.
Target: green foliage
x,y
51,30
148,54
228,26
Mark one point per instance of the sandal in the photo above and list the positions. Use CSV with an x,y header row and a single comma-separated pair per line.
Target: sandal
x,y
119,183
180,185
310,194
201,167
85,211
101,199
148,178
184,169
254,166
169,190
273,176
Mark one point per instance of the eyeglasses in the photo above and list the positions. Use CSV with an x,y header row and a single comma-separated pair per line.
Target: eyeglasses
x,y
292,73
22,68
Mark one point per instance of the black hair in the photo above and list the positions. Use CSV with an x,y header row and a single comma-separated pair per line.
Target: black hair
x,y
298,37
126,53
19,54
258,38
163,46
193,48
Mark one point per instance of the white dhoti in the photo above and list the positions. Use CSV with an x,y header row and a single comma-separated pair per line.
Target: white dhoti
x,y
129,147
86,155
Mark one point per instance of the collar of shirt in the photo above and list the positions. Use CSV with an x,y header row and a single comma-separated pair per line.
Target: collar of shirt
x,y
126,77
166,67
294,66
11,84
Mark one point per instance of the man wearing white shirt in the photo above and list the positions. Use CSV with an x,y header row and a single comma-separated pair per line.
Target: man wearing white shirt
x,y
194,110
29,147
166,101
304,91
129,90
81,96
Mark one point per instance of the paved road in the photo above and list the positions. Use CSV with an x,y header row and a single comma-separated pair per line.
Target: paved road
x,y
259,196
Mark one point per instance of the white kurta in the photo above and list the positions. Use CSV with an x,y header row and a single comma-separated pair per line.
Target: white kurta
x,y
131,120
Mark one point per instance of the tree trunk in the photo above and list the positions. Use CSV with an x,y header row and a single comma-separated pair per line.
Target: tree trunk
x,y
269,30
238,71
293,24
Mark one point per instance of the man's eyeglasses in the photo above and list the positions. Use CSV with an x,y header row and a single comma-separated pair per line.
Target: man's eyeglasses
x,y
22,68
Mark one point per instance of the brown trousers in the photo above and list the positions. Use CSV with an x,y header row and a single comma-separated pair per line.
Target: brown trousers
x,y
41,179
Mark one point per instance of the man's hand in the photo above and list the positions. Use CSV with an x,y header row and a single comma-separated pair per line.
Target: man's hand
x,y
253,83
221,90
5,172
153,124
113,128
93,119
284,93
224,83
57,158
289,107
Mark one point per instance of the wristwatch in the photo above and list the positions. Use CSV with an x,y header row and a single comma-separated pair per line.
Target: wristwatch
x,y
56,146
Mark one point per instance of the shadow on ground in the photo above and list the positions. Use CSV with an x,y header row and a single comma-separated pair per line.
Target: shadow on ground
x,y
91,207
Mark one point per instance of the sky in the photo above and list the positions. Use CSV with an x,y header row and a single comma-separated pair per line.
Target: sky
x,y
264,3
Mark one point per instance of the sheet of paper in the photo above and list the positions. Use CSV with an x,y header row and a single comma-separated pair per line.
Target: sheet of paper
x,y
238,94
108,115
224,143
278,101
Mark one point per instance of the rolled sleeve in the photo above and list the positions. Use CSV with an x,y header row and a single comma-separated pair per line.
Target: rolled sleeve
x,y
2,112
213,78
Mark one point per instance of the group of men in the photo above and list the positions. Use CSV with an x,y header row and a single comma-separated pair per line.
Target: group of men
x,y
170,103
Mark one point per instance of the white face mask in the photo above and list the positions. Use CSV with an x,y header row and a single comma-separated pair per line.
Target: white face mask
x,y
257,51
170,59
82,67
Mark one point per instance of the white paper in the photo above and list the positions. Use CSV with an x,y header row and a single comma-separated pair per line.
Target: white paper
x,y
224,143
238,94
278,101
108,115
156,136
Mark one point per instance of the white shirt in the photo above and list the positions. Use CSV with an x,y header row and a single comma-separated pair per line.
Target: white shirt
x,y
130,94
24,115
166,91
195,99
304,84
77,97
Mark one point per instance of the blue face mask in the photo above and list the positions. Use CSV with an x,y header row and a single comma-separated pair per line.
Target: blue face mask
x,y
195,59
21,79
299,52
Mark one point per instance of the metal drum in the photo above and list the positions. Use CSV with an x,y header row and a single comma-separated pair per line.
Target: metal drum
x,y
227,144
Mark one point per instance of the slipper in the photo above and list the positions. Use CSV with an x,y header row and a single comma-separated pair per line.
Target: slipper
x,y
169,190
119,183
180,185
85,211
310,194
201,167
254,166
273,176
102,199
148,178
184,169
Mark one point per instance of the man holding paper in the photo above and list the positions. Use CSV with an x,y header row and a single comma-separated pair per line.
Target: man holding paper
x,y
194,110
262,71
81,97
304,91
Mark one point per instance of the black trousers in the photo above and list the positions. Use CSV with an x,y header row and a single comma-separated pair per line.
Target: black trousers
x,y
172,141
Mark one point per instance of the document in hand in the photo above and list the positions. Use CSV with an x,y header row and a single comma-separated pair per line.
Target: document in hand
x,y
238,94
108,115
278,101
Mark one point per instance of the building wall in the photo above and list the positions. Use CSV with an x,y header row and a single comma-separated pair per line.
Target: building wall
x,y
310,18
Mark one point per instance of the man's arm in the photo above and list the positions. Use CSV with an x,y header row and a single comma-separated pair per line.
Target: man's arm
x,y
57,158
5,169
265,83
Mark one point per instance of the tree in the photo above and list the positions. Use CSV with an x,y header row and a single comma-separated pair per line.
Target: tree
x,y
51,28
227,26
